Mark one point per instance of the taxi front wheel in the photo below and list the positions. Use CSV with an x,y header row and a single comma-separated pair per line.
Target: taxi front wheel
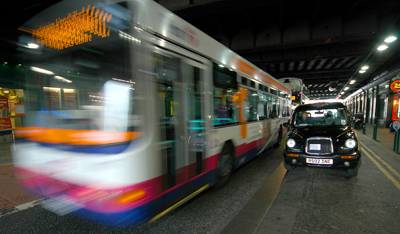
x,y
287,166
354,172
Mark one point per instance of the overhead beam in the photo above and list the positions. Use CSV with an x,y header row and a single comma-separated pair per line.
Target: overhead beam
x,y
352,62
366,40
227,34
300,67
332,62
308,53
313,19
281,22
253,29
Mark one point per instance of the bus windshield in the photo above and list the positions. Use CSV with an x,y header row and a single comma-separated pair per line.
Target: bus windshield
x,y
83,82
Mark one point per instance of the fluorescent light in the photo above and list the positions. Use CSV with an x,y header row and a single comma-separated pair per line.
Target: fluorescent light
x,y
62,79
352,82
41,70
221,65
52,88
346,88
382,47
390,39
365,67
69,90
33,46
6,91
362,71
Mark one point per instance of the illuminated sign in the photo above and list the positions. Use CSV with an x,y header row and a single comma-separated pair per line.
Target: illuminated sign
x,y
185,34
395,86
235,97
75,29
293,98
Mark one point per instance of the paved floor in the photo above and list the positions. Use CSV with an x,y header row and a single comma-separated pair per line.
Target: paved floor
x,y
11,193
320,200
5,153
305,200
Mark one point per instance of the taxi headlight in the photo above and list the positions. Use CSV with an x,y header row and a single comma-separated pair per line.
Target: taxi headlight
x,y
291,143
351,143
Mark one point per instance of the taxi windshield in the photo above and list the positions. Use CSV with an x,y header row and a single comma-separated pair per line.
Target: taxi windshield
x,y
328,117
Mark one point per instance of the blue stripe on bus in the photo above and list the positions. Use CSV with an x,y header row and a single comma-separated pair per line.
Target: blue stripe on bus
x,y
96,149
245,157
149,210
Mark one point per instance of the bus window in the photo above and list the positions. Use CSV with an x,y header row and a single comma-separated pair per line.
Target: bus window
x,y
274,111
273,91
252,84
225,87
262,106
269,107
244,81
253,105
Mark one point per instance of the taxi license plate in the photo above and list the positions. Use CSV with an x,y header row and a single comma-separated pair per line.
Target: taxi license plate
x,y
315,146
319,161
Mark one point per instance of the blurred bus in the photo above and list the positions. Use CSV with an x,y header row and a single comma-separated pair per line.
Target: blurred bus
x,y
299,90
131,111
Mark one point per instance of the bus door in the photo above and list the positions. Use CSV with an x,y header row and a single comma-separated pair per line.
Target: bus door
x,y
181,110
193,73
170,99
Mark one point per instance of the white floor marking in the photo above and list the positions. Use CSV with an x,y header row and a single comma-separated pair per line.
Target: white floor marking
x,y
23,207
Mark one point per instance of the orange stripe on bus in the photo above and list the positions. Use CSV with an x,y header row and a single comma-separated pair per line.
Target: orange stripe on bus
x,y
243,131
73,136
251,71
242,98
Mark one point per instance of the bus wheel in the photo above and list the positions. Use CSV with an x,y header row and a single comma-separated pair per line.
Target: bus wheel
x,y
225,166
278,143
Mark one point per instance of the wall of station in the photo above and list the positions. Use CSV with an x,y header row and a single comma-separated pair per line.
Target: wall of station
x,y
12,107
379,104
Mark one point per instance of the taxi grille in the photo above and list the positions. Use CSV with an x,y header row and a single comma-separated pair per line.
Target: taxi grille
x,y
319,146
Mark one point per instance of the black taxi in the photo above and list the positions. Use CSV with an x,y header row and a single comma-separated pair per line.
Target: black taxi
x,y
321,135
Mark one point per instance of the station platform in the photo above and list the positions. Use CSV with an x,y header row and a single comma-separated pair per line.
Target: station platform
x,y
384,136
